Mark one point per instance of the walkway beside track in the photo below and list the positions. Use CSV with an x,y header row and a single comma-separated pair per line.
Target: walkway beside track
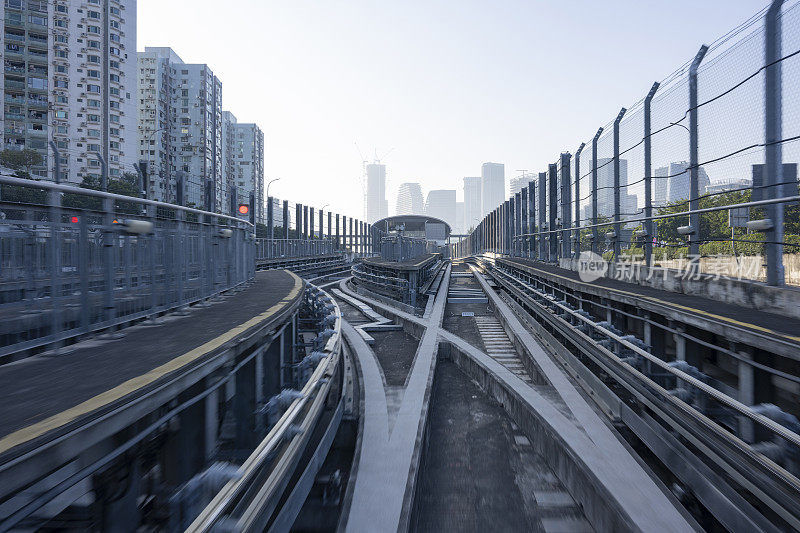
x,y
46,396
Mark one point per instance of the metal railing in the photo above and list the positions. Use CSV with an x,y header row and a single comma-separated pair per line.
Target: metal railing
x,y
247,502
281,248
75,261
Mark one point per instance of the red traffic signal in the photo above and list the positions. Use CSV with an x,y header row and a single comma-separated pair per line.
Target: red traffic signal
x,y
244,209
74,220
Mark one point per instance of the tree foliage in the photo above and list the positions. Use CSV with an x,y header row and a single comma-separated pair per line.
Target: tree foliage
x,y
21,160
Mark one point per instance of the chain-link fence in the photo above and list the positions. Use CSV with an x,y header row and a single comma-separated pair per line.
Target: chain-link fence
x,y
702,170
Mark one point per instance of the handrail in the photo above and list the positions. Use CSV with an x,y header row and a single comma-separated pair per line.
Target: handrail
x,y
70,188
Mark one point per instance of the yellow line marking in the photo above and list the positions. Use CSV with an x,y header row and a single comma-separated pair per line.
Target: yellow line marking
x,y
35,430
670,304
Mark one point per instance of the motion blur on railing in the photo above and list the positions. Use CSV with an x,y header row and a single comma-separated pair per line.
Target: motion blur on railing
x,y
76,261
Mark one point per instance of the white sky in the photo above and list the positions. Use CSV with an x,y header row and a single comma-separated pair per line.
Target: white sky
x,y
441,86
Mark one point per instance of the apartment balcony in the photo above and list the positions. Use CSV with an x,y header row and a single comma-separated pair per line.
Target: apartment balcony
x,y
37,39
20,132
38,133
40,104
14,116
12,37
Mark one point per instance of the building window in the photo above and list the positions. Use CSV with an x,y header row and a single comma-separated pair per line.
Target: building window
x,y
93,118
93,103
113,50
114,91
114,77
61,99
93,59
93,15
93,73
61,38
36,19
113,131
37,83
93,29
93,44
61,114
114,37
114,24
61,84
92,147
114,64
93,88
114,118
94,133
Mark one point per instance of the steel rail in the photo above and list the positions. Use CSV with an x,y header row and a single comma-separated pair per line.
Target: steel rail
x,y
647,391
316,386
723,398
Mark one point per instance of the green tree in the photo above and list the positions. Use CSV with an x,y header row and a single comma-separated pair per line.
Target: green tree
x,y
21,160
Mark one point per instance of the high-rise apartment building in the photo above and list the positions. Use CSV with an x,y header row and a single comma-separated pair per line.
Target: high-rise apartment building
x,y
180,129
70,78
247,164
493,186
472,202
377,205
442,205
409,199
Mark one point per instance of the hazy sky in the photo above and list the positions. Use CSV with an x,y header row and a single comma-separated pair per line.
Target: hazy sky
x,y
441,86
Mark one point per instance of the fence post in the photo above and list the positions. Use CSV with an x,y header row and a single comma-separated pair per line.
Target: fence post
x,y
523,214
108,251
531,218
552,211
270,219
649,226
617,210
577,237
566,206
773,175
337,231
594,189
542,253
694,203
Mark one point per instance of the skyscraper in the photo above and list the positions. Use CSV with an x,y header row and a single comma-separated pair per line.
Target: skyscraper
x,y
660,183
70,78
493,186
472,202
678,188
605,190
519,183
442,205
376,192
409,199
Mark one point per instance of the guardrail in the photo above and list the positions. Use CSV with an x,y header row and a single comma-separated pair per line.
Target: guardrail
x,y
280,248
75,261
249,501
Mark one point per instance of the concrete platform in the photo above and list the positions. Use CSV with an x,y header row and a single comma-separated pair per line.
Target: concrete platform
x,y
45,396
